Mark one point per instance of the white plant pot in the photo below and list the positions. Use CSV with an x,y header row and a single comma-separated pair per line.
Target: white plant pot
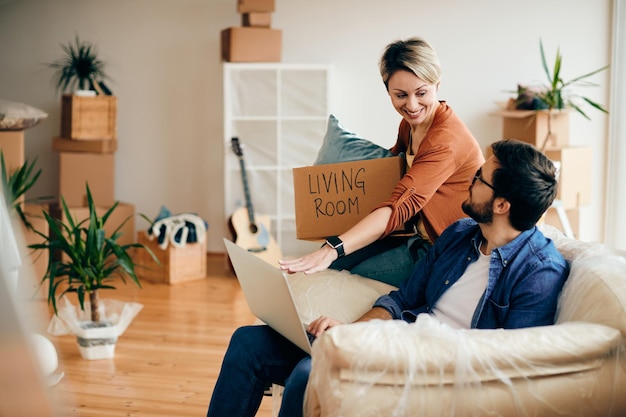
x,y
85,93
96,340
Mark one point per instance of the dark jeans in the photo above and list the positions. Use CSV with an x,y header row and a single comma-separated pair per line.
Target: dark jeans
x,y
257,357
390,260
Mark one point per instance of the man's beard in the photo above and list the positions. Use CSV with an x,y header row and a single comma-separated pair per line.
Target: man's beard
x,y
480,212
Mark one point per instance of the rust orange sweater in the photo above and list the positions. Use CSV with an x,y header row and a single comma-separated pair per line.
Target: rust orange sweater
x,y
437,183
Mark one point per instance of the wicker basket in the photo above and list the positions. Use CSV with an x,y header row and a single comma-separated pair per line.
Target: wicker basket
x,y
177,264
85,118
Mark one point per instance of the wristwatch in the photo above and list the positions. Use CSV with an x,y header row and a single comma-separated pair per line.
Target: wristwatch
x,y
337,244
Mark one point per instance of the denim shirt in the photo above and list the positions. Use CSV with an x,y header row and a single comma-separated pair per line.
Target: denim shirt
x,y
525,279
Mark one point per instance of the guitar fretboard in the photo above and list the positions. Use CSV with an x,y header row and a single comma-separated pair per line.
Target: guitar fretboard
x,y
237,148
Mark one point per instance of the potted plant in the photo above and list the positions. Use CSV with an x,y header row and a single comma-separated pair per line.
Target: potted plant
x,y
90,110
556,95
80,68
84,260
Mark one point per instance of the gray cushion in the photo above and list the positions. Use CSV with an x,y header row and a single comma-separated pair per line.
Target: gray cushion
x,y
341,145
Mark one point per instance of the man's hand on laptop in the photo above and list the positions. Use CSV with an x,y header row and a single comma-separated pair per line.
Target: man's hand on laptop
x,y
321,324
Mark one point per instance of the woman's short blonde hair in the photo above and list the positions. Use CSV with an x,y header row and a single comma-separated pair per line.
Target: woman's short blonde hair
x,y
414,55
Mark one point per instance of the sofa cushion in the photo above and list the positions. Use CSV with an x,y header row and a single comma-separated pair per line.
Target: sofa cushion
x,y
19,116
595,292
341,145
338,294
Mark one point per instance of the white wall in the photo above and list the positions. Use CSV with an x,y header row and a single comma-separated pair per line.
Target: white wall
x,y
163,57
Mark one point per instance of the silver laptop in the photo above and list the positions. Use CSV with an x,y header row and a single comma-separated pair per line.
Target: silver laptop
x,y
267,291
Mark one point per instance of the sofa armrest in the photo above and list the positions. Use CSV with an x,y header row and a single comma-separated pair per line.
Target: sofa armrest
x,y
428,369
396,352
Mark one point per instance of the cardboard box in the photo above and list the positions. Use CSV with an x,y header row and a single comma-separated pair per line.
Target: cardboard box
x,y
35,260
89,118
94,146
332,198
12,145
532,127
251,44
78,168
176,264
572,217
256,19
248,6
575,175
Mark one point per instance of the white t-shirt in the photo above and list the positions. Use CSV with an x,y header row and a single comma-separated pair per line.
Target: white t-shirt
x,y
457,305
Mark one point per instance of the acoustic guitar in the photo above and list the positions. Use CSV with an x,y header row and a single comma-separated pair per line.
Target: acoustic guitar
x,y
250,231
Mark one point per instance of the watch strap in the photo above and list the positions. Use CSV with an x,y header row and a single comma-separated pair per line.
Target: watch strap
x,y
337,244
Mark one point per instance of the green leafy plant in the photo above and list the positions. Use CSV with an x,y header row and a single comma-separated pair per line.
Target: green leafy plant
x,y
80,67
16,185
556,94
83,259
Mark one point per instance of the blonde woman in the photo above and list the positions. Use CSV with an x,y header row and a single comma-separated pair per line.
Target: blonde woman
x,y
442,156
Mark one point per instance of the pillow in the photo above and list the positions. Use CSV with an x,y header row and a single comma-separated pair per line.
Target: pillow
x,y
341,145
18,116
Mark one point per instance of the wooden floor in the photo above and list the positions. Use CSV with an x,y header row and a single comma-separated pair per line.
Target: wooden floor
x,y
167,361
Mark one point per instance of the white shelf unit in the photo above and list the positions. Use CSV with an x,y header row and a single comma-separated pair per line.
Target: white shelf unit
x,y
279,112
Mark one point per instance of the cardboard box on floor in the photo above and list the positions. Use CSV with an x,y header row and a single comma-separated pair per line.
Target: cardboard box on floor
x,y
331,198
251,44
176,264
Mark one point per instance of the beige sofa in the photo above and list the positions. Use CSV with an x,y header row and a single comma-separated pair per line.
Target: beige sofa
x,y
391,368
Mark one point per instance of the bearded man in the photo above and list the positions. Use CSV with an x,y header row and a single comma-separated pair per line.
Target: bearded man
x,y
492,270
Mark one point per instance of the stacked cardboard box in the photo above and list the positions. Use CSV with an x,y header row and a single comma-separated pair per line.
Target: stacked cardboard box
x,y
254,40
574,162
38,260
86,149
532,126
12,146
89,117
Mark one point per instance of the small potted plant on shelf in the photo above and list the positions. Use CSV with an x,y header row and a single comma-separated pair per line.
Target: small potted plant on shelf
x,y
555,96
90,110
80,68
84,260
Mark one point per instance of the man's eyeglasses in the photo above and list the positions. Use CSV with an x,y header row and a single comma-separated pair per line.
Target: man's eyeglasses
x,y
479,177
